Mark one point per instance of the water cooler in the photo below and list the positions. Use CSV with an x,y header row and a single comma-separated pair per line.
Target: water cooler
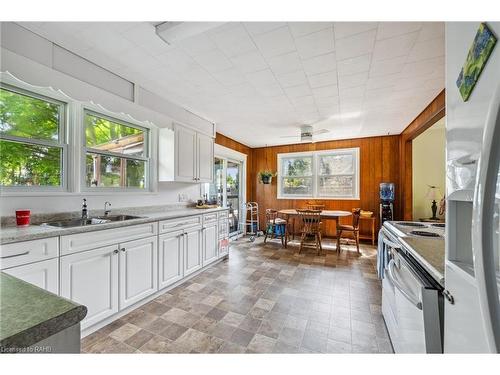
x,y
386,201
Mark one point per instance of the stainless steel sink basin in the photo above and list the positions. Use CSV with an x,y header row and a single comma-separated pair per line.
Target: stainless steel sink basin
x,y
90,221
118,217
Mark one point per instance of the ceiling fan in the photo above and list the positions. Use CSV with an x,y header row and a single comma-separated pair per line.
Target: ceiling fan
x,y
306,133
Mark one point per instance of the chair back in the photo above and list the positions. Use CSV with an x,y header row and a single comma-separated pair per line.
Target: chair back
x,y
315,206
271,216
311,220
356,213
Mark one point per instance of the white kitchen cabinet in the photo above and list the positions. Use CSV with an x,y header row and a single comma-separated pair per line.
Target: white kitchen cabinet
x,y
91,279
170,258
44,274
205,158
193,155
223,243
185,154
210,242
192,250
138,270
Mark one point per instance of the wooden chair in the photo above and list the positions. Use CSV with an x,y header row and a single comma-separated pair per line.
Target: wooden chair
x,y
311,226
275,224
315,206
354,228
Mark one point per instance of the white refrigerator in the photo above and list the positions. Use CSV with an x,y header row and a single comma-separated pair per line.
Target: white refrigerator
x,y
472,266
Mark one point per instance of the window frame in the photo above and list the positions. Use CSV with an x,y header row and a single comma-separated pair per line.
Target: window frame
x,y
50,96
281,176
122,120
355,151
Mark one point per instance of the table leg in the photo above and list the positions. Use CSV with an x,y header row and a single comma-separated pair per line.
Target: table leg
x,y
336,220
373,232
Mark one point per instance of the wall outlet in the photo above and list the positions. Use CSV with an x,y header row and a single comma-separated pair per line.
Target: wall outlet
x,y
183,198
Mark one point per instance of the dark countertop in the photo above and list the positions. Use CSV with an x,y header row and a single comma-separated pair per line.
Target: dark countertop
x,y
430,254
29,314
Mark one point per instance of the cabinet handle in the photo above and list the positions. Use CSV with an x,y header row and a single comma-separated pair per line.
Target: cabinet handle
x,y
123,249
115,251
448,296
15,255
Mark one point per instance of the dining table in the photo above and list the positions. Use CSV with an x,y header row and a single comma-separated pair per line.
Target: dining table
x,y
291,213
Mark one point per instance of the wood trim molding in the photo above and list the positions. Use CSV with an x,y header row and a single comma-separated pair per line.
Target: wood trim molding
x,y
428,117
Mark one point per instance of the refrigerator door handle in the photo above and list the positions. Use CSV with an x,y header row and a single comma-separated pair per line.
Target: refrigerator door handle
x,y
482,225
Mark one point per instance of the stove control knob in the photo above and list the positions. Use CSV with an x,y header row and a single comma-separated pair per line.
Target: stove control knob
x,y
448,296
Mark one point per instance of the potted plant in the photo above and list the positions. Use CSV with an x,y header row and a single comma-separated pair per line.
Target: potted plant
x,y
266,176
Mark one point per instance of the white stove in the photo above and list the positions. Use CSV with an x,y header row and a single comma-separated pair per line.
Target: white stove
x,y
415,229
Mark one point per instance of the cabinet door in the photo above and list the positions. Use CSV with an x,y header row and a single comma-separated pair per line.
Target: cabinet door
x,y
223,243
170,258
138,270
185,154
91,279
210,243
192,251
205,148
43,274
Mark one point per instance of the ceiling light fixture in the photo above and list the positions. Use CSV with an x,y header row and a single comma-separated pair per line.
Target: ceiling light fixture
x,y
347,115
171,32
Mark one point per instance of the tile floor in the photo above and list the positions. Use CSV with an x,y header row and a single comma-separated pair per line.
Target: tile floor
x,y
263,299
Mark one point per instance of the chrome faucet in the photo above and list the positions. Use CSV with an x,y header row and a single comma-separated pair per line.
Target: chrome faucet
x,y
106,209
84,209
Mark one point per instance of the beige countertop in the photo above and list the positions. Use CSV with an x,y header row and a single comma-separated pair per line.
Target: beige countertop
x,y
429,252
32,232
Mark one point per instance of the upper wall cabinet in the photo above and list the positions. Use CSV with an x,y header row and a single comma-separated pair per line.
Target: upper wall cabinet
x,y
192,157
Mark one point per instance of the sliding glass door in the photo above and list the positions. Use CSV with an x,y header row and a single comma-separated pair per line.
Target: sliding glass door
x,y
226,189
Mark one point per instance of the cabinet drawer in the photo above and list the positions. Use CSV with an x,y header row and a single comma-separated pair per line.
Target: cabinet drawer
x,y
223,214
90,240
19,253
208,218
182,223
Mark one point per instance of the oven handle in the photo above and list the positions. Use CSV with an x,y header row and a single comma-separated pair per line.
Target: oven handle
x,y
391,244
390,271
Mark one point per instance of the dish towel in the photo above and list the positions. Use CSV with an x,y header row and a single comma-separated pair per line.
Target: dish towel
x,y
382,256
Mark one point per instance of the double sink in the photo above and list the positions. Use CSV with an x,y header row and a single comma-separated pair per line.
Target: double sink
x,y
71,223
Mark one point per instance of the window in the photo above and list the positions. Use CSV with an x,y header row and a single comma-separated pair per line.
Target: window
x,y
330,174
32,145
116,153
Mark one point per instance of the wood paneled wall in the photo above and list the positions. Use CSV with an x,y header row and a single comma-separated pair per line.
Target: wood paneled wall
x,y
379,162
430,115
240,147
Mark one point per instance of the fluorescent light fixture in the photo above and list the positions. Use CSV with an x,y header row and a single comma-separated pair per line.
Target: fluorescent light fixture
x,y
172,32
345,116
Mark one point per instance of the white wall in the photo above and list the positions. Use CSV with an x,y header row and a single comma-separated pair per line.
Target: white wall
x,y
30,58
429,166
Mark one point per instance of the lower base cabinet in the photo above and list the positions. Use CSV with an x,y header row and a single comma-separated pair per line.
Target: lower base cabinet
x,y
192,251
91,279
44,274
210,235
170,258
138,270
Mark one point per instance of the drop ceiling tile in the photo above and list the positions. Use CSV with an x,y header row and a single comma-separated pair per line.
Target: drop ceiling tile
x,y
144,35
389,66
276,42
230,77
303,101
317,43
427,49
287,63
323,79
352,92
326,91
353,80
197,45
299,29
256,28
394,47
431,30
213,61
261,78
327,101
292,79
249,62
298,91
320,64
392,29
270,90
355,45
354,65
423,68
345,29
234,41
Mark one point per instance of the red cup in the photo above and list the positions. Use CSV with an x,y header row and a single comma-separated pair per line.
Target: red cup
x,y
23,218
